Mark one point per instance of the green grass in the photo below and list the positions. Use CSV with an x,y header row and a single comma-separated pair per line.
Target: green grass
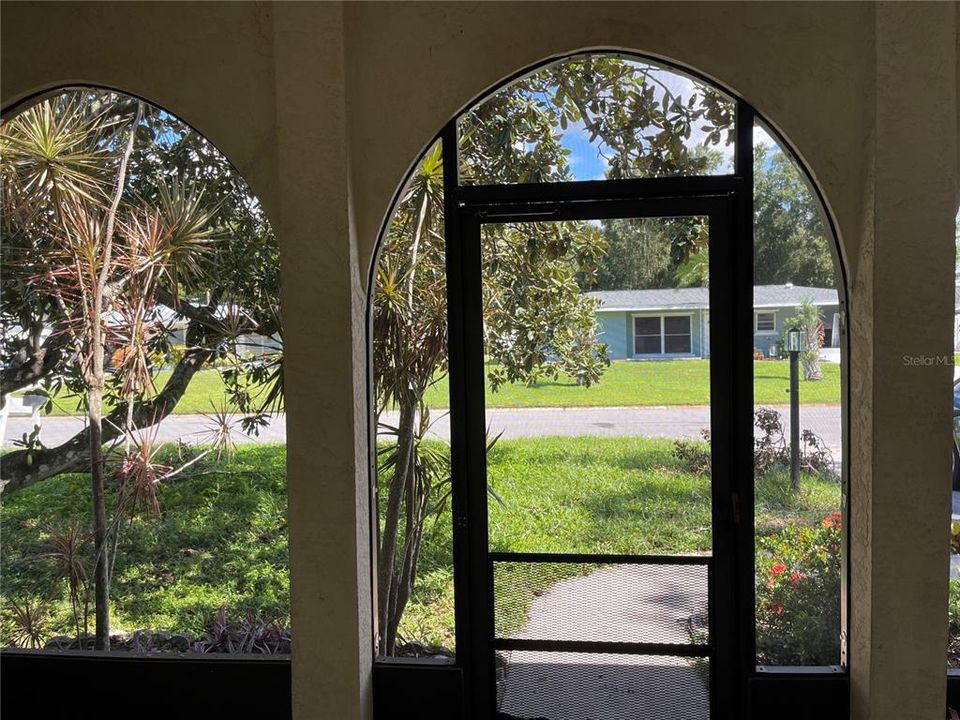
x,y
624,383
590,495
222,534
221,539
654,382
205,390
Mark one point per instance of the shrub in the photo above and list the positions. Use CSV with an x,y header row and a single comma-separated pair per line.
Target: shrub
x,y
252,635
770,449
953,645
694,455
798,595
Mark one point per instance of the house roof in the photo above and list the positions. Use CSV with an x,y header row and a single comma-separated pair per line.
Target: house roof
x,y
695,298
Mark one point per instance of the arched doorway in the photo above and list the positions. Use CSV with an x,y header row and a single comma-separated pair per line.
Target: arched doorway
x,y
605,557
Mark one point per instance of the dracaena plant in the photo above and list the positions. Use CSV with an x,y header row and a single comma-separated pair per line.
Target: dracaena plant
x,y
69,546
188,236
100,258
26,623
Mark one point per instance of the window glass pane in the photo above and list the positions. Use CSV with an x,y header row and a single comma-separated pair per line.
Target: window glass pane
x,y
676,343
195,494
798,519
647,325
766,322
647,344
674,325
596,117
415,553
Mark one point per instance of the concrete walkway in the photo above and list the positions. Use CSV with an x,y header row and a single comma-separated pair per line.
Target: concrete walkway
x,y
627,603
668,422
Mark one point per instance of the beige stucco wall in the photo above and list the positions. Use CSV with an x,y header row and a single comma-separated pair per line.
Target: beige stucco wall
x,y
324,107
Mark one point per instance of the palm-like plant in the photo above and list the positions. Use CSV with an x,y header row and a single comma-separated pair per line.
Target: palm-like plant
x,y
28,623
68,551
104,257
409,326
808,319
52,152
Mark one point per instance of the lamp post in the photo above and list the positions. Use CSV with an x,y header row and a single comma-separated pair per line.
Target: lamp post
x,y
795,342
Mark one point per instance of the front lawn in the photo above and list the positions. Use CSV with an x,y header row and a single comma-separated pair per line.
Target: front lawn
x,y
222,534
591,495
221,539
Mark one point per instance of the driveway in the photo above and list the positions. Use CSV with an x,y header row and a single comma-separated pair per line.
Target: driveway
x,y
673,422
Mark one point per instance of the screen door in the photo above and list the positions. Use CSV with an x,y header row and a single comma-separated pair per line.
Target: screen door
x,y
600,510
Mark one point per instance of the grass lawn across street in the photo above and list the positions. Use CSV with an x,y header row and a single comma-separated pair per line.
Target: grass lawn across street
x,y
624,383
655,382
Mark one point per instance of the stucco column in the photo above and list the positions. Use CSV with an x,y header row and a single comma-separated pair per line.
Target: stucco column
x,y
325,392
901,486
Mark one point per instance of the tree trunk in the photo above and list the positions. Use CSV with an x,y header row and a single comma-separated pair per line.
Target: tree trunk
x,y
389,538
102,567
811,370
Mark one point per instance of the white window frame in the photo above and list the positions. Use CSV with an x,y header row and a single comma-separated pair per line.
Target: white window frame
x,y
756,322
660,316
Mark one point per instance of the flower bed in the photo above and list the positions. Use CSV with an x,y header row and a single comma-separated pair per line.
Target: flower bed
x,y
798,595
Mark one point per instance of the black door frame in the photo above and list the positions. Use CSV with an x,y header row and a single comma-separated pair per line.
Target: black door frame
x,y
467,208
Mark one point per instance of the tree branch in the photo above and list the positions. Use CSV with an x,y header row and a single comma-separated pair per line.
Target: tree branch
x,y
43,361
24,468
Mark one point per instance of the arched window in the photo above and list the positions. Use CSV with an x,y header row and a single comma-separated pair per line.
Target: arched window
x,y
604,298
144,487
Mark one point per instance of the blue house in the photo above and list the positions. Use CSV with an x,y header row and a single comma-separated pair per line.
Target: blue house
x,y
675,323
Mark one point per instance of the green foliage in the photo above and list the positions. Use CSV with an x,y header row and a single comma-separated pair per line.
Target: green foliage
x,y
809,320
954,605
647,253
798,594
790,241
189,235
639,124
537,321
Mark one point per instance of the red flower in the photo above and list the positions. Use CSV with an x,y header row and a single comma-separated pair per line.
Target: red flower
x,y
778,569
832,520
777,609
795,578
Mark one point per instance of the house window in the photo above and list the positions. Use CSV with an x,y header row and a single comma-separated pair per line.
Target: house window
x,y
662,335
676,334
646,335
766,322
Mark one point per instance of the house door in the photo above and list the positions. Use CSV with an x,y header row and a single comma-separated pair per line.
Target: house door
x,y
596,539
